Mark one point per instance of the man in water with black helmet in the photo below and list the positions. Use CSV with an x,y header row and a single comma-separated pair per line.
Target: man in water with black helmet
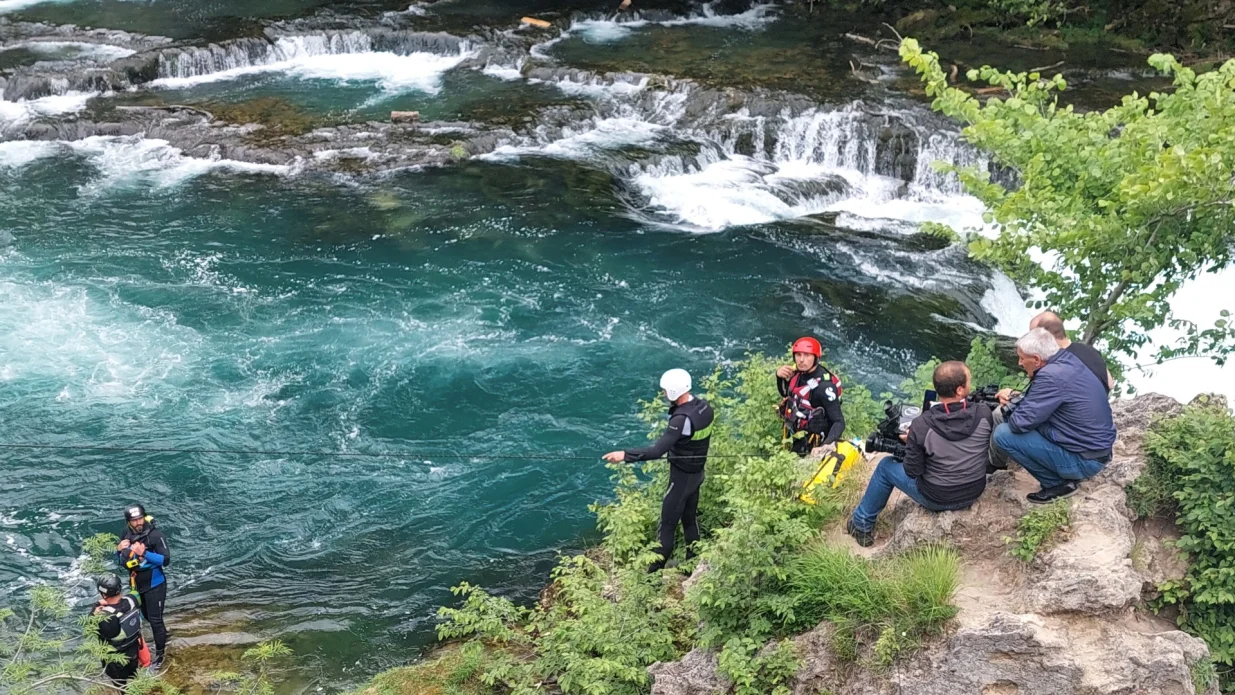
x,y
121,627
144,553
686,441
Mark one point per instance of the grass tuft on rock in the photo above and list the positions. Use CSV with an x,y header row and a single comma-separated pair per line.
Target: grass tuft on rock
x,y
888,605
453,671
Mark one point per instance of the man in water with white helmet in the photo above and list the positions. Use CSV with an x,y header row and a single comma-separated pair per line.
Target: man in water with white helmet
x,y
686,442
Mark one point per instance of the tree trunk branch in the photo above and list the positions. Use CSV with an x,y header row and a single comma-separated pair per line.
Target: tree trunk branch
x,y
21,643
1098,317
81,679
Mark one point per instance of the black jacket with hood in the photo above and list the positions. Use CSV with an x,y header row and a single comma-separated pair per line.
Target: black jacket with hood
x,y
947,452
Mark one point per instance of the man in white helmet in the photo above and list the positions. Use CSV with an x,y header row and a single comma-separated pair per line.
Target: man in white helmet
x,y
686,442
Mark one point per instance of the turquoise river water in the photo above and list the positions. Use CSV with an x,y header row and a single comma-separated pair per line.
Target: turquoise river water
x,y
514,305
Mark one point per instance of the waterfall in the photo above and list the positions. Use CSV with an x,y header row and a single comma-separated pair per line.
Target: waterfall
x,y
241,54
184,63
702,158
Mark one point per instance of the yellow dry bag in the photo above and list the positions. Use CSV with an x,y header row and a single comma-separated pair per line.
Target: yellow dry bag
x,y
832,470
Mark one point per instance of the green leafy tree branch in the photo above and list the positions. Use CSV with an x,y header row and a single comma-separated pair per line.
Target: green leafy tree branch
x,y
1110,211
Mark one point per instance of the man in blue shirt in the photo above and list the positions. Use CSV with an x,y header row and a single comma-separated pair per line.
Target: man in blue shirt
x,y
1062,430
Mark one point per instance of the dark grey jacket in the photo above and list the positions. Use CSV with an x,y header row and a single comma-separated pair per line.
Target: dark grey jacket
x,y
947,452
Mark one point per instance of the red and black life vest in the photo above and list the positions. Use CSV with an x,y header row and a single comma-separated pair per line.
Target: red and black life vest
x,y
796,408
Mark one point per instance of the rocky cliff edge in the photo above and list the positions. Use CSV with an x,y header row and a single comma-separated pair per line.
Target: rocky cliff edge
x,y
1072,622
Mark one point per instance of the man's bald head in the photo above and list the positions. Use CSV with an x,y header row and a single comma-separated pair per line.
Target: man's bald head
x,y
1051,322
950,378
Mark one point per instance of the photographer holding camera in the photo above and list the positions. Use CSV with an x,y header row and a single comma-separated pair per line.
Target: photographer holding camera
x,y
1062,430
945,458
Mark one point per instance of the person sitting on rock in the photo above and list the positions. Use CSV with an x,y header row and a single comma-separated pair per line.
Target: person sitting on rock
x,y
811,402
945,456
1062,430
1089,356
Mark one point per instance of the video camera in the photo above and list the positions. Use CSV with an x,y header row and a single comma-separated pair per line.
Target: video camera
x,y
898,417
988,395
896,421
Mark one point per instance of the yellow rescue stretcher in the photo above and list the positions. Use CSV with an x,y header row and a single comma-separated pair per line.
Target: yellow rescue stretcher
x,y
832,470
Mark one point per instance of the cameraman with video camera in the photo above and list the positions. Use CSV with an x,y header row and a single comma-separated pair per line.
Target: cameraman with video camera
x,y
945,456
1062,430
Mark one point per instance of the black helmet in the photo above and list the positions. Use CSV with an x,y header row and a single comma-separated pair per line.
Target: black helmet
x,y
109,585
133,512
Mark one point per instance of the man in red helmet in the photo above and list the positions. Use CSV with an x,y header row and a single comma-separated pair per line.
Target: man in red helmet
x,y
811,398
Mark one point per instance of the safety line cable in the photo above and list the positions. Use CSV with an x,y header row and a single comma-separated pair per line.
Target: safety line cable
x,y
330,454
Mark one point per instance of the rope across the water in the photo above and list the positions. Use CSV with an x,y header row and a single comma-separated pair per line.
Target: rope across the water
x,y
330,454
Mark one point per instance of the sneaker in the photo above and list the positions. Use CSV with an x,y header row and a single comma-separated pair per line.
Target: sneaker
x,y
1050,494
156,667
864,538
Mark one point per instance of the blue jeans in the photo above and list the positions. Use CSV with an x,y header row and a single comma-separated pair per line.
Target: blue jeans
x,y
889,474
1045,460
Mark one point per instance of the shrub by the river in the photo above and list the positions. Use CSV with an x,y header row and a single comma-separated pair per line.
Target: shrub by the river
x,y
1191,474
604,620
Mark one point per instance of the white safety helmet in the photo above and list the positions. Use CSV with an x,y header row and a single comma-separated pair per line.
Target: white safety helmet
x,y
675,382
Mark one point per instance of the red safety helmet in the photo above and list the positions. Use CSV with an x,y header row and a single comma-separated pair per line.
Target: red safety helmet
x,y
808,345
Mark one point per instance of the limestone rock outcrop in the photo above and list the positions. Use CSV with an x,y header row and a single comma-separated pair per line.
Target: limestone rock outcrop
x,y
1065,624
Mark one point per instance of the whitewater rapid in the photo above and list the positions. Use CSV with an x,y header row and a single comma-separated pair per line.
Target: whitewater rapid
x,y
822,161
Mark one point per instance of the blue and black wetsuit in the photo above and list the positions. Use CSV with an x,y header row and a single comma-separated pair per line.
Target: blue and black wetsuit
x,y
147,578
686,441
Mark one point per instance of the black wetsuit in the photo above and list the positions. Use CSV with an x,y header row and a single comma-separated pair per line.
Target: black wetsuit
x,y
121,628
686,441
149,580
818,413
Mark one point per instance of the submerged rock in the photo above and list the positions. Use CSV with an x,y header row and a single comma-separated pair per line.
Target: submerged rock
x,y
380,146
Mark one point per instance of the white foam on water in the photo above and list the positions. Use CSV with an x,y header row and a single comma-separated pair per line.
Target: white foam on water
x,y
392,73
414,10
756,17
135,160
608,133
726,192
503,72
22,110
959,212
348,153
15,5
615,29
79,343
605,31
1005,303
541,50
598,88
75,50
18,153
312,57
